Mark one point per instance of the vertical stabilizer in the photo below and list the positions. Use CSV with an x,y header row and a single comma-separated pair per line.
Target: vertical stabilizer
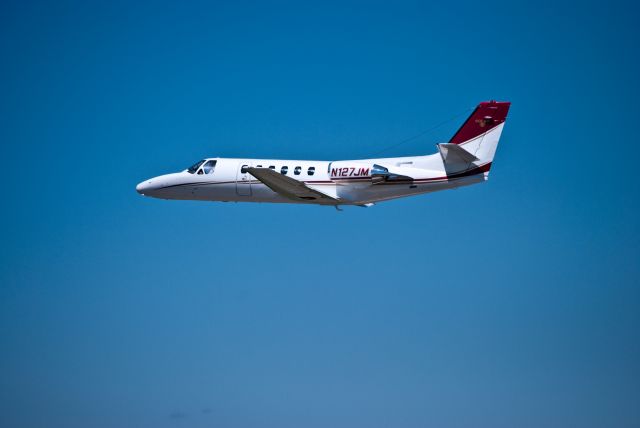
x,y
473,146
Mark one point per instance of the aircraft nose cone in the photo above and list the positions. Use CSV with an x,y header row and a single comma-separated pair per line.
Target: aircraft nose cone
x,y
155,187
143,187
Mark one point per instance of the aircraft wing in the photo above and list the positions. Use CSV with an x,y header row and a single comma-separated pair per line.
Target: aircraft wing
x,y
289,187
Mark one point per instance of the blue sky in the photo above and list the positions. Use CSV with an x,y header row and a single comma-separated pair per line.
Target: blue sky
x,y
512,303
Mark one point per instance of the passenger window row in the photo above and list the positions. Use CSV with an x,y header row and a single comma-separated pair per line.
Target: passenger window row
x,y
296,171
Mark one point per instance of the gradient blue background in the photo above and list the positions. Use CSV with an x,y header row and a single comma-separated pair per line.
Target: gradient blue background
x,y
512,303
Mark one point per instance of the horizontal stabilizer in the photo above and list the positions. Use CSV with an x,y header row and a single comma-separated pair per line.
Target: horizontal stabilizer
x,y
454,154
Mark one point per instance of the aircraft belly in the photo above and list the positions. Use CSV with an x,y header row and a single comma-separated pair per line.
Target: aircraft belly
x,y
380,192
215,191
262,193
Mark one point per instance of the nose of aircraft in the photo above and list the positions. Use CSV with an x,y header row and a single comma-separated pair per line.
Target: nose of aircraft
x,y
144,187
155,186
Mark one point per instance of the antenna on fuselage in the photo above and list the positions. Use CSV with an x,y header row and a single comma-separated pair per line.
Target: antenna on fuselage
x,y
423,133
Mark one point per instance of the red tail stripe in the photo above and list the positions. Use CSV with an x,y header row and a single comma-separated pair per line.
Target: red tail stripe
x,y
486,116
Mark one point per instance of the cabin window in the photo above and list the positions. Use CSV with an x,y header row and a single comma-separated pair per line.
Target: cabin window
x,y
284,170
272,167
258,166
297,170
244,169
311,170
209,167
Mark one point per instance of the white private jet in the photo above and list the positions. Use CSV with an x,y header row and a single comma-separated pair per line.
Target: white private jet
x,y
464,160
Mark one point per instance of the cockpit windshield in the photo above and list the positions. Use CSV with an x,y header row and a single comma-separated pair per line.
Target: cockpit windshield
x,y
193,168
203,167
209,166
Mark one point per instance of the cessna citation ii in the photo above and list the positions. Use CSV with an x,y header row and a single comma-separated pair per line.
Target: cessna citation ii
x,y
464,160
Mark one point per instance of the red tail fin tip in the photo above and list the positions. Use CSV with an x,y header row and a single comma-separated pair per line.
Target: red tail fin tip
x,y
485,117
